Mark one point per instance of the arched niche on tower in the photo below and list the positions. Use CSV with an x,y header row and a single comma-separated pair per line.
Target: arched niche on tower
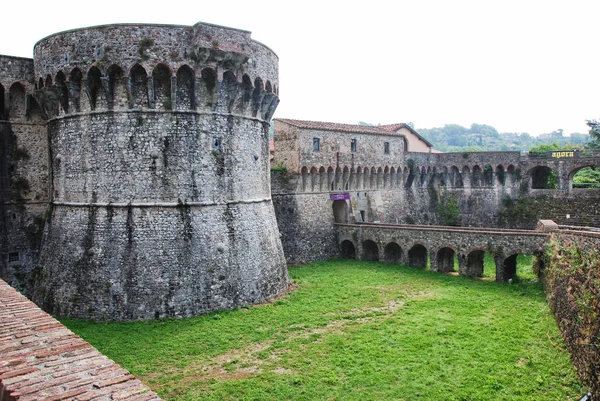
x,y
96,93
257,96
208,89
229,90
185,92
75,79
62,91
245,94
161,83
117,88
17,101
138,84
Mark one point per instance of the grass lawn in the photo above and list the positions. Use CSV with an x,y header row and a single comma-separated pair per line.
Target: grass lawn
x,y
355,330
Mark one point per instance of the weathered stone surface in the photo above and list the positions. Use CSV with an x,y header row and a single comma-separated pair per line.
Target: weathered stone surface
x,y
486,189
412,245
157,138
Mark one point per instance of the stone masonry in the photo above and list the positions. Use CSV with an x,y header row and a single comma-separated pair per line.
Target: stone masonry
x,y
413,245
157,194
339,184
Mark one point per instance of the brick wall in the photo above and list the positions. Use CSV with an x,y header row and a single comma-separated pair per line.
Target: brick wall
x,y
40,359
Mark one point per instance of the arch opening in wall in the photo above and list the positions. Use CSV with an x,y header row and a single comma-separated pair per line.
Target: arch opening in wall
x,y
185,92
510,171
374,178
457,177
257,96
246,89
2,105
340,211
40,84
509,268
386,177
423,177
17,100
393,177
445,260
330,179
161,79
435,178
48,82
474,264
443,176
230,89
370,250
488,175
208,77
477,176
338,183
417,256
501,175
117,90
322,179
305,178
585,177
392,253
268,87
410,177
543,177
348,250
139,87
518,267
314,179
75,79
95,90
346,178
63,92
358,181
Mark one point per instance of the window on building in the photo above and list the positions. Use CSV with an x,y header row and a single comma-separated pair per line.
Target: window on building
x,y
386,147
316,144
13,257
353,145
216,144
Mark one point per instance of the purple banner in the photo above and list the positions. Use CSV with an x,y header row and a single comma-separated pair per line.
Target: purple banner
x,y
344,196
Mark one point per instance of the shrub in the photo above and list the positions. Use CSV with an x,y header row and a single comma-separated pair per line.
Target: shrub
x,y
572,283
448,211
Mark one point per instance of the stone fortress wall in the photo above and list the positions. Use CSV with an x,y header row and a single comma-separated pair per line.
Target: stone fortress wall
x,y
488,189
159,163
24,178
135,175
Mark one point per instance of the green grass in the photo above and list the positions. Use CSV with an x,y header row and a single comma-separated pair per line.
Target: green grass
x,y
356,330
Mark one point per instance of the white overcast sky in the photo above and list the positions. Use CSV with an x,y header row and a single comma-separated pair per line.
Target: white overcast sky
x,y
520,66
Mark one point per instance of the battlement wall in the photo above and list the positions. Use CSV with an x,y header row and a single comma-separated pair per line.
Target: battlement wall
x,y
205,68
16,69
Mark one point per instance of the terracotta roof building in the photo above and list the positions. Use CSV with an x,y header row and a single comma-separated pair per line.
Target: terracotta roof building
x,y
301,143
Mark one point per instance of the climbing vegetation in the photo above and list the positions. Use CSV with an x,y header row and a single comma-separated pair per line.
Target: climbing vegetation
x,y
572,281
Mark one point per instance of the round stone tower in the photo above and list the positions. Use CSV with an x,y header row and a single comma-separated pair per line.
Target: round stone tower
x,y
159,147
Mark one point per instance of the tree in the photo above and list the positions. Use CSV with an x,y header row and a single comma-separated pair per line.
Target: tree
x,y
544,148
594,134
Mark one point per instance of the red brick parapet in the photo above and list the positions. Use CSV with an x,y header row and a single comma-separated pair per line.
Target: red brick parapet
x,y
40,359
